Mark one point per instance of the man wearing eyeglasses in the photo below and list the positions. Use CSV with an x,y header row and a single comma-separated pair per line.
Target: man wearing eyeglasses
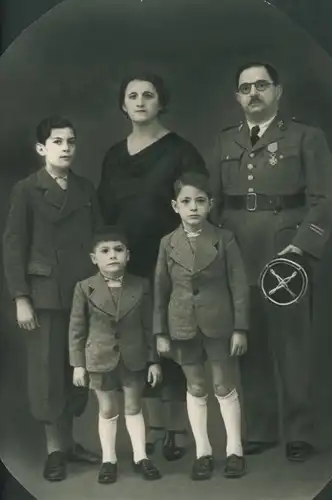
x,y
272,181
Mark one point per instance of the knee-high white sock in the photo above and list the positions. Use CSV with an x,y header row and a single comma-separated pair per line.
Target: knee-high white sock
x,y
107,428
136,430
231,414
197,414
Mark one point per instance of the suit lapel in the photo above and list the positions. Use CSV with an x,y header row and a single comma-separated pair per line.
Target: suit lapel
x,y
100,295
52,193
206,248
131,294
274,132
181,251
205,253
75,196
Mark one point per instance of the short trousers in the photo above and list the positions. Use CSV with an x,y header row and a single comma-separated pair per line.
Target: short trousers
x,y
115,379
201,349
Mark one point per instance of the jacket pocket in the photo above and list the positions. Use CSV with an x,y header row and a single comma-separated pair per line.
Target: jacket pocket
x,y
39,269
230,165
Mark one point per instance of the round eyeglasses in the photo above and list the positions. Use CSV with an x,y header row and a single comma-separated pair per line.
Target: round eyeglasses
x,y
260,86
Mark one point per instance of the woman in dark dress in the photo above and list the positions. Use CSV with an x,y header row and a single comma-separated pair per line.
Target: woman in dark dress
x,y
135,191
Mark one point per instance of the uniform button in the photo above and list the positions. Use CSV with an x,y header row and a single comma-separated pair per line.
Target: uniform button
x,y
250,190
252,155
250,177
250,166
195,291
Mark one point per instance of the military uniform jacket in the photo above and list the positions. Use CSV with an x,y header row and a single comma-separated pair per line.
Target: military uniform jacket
x,y
101,331
47,239
289,158
208,291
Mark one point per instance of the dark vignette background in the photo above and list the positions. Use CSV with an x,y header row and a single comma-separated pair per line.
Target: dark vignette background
x,y
313,15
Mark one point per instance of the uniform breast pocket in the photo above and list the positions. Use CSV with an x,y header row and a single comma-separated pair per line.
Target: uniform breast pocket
x,y
230,167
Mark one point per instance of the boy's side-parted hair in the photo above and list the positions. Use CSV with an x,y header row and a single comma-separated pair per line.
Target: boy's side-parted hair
x,y
195,179
45,127
108,233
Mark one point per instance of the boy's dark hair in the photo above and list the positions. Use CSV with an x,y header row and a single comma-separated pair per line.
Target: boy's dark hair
x,y
157,82
195,179
108,233
45,127
273,73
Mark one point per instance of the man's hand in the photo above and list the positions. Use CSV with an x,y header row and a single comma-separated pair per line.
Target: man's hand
x,y
163,345
154,375
79,376
25,314
291,248
239,343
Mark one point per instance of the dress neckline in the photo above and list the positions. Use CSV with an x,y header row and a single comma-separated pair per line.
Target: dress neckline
x,y
170,133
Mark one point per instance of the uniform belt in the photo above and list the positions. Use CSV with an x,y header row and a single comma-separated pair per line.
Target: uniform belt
x,y
254,201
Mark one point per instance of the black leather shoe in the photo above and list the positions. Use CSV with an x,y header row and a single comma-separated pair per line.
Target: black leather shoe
x,y
81,455
258,447
202,468
235,466
299,451
55,467
108,473
147,470
171,451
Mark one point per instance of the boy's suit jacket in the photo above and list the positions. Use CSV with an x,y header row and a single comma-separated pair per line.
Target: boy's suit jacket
x,y
212,294
98,334
47,238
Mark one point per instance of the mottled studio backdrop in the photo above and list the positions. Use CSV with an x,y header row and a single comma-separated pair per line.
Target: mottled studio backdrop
x,y
71,62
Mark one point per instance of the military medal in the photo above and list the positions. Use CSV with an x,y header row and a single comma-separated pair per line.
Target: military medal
x,y
273,147
273,160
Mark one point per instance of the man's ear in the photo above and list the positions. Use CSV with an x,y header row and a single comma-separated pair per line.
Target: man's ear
x,y
93,258
174,206
40,148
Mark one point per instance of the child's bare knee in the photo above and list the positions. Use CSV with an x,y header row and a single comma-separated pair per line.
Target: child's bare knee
x,y
132,407
222,390
197,390
108,413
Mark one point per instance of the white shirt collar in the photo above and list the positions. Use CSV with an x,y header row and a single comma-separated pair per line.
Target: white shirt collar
x,y
54,176
262,126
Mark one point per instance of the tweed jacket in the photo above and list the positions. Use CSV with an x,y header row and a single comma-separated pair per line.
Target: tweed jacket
x,y
208,291
101,332
47,238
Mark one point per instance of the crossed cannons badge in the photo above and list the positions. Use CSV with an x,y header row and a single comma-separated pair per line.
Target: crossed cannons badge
x,y
284,280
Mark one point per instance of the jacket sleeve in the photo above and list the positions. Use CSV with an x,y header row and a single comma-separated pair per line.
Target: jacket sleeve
x,y
238,283
216,182
147,311
315,229
78,328
162,292
16,241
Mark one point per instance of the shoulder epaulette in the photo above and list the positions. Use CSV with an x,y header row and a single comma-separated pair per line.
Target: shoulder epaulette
x,y
303,122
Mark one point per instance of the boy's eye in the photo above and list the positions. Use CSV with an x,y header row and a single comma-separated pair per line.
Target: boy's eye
x,y
119,249
201,200
104,250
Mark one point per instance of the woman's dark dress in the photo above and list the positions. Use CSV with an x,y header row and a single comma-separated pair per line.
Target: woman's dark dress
x,y
135,193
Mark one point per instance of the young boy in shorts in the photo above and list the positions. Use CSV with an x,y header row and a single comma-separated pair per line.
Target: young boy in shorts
x,y
53,214
110,343
200,313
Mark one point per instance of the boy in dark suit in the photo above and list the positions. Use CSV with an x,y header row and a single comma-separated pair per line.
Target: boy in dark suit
x,y
52,216
111,341
200,312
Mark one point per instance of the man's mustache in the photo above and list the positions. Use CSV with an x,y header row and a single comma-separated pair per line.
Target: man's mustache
x,y
254,100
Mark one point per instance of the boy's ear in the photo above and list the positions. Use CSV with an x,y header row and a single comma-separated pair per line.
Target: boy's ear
x,y
93,258
211,202
174,206
40,148
128,255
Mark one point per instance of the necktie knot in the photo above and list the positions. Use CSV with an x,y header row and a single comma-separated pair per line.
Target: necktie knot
x,y
254,134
